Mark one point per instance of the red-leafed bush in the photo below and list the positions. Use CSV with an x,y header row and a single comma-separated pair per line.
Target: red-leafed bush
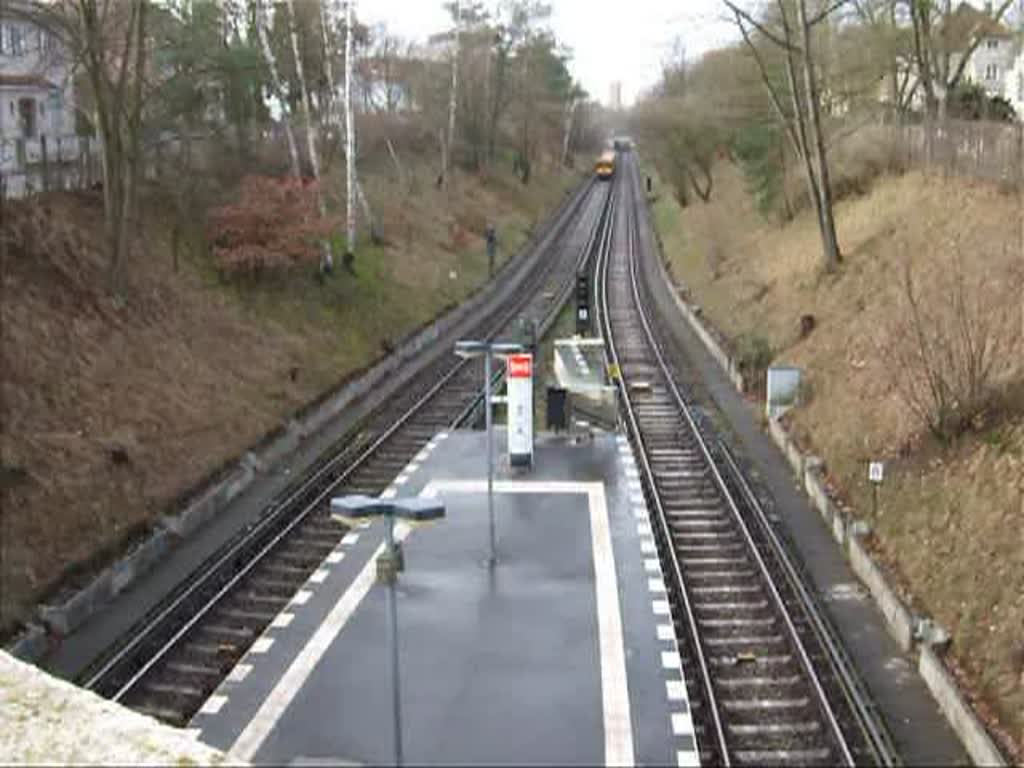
x,y
274,225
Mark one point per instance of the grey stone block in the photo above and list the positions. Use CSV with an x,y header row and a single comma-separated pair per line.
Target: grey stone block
x,y
129,568
64,618
31,645
898,618
968,727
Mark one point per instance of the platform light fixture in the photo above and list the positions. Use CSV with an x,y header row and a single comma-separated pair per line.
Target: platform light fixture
x,y
414,509
488,349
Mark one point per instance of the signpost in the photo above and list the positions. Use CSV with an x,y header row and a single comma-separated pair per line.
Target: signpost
x,y
876,472
472,348
520,409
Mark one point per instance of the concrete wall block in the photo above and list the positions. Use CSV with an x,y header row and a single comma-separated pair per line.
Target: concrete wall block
x,y
838,526
898,619
237,482
195,514
65,618
972,733
279,447
31,645
129,568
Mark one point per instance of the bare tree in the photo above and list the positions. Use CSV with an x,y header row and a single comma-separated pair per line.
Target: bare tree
x,y
275,79
794,38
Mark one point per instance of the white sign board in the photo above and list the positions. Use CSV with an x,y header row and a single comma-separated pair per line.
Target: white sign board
x,y
783,388
520,409
876,470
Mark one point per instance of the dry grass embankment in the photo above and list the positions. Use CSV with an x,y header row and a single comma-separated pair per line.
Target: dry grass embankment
x,y
951,517
109,414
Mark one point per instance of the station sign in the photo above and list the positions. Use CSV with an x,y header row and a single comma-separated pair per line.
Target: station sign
x,y
520,409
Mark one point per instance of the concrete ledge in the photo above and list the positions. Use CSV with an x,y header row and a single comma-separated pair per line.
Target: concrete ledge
x,y
898,619
209,503
129,568
968,727
787,446
814,487
32,644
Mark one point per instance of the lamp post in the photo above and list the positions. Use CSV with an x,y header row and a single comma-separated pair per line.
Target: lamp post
x,y
488,349
350,509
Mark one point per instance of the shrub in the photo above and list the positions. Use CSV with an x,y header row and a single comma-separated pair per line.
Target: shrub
x,y
754,354
275,224
941,354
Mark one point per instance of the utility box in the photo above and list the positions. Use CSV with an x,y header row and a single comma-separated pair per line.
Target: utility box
x,y
783,390
558,409
520,409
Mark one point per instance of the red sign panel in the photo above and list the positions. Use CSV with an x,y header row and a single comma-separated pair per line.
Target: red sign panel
x,y
520,366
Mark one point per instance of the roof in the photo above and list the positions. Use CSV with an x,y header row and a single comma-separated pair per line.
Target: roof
x,y
967,23
25,81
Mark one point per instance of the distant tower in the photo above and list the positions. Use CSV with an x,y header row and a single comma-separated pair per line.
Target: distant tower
x,y
615,95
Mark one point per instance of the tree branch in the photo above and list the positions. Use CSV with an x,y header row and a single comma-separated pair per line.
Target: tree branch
x,y
739,12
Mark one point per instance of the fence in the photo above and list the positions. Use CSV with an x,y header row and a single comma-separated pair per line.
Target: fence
x,y
981,150
30,166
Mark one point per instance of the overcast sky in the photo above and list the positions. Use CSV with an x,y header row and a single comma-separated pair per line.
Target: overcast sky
x,y
624,41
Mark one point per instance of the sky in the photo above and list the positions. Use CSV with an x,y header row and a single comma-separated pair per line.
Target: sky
x,y
608,42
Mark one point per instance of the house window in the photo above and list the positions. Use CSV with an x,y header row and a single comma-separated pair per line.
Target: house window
x,y
991,72
14,41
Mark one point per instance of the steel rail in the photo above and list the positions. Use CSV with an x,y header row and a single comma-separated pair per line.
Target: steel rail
x,y
869,720
604,319
272,517
809,670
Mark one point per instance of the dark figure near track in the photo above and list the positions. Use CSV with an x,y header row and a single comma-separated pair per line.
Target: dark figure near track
x,y
492,247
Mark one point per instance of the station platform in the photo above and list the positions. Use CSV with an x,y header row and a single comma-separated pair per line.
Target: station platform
x,y
562,653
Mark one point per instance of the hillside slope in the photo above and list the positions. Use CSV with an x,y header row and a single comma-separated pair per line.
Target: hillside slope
x,y
110,414
950,520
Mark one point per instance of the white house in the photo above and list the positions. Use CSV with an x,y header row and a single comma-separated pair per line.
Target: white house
x,y
1013,88
37,105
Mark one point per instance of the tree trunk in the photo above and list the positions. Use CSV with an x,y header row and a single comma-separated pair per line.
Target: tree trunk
x,y
828,227
453,97
350,145
326,260
275,79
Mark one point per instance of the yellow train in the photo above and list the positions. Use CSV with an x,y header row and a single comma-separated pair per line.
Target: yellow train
x,y
605,165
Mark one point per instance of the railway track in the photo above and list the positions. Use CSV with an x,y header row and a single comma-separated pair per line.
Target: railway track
x,y
177,656
768,681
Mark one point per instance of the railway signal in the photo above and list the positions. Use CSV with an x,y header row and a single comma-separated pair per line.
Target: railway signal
x,y
582,304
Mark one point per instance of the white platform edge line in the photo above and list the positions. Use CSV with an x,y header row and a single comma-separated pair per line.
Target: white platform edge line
x,y
277,701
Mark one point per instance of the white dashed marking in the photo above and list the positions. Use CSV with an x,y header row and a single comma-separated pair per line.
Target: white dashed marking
x,y
651,565
401,479
682,723
660,607
666,632
213,704
350,539
390,493
239,673
643,528
670,660
319,576
282,620
262,645
647,546
675,690
688,759
655,585
335,557
302,597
